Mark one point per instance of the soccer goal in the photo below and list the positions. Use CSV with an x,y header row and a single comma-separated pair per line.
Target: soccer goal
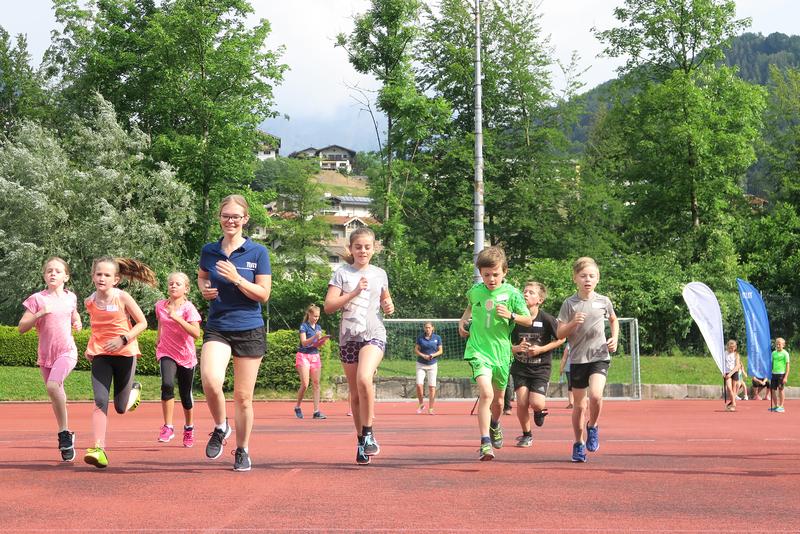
x,y
625,375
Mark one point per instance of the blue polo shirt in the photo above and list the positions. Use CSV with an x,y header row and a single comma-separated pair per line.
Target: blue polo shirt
x,y
428,346
232,310
306,329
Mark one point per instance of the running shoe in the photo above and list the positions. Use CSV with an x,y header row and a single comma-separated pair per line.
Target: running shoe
x,y
361,457
780,409
241,460
319,415
217,441
188,437
496,435
420,408
96,456
485,453
431,412
524,441
66,445
371,447
730,407
578,452
298,412
538,417
771,409
592,438
166,434
135,398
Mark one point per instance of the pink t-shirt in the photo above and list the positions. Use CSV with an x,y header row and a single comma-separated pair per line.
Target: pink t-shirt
x,y
173,341
54,328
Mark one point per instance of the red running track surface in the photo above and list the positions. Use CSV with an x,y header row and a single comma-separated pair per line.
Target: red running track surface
x,y
671,466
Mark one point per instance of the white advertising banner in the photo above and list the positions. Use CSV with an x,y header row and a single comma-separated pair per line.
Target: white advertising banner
x,y
704,308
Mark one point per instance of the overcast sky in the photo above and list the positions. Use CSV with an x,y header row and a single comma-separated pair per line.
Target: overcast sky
x,y
315,93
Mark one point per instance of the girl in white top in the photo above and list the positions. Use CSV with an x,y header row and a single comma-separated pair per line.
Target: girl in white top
x,y
361,290
733,365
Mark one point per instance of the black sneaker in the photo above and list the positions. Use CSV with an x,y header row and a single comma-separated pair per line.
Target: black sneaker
x,y
320,415
371,447
66,444
538,417
241,460
216,441
361,457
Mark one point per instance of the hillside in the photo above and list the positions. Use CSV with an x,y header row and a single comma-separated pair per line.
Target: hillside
x,y
338,184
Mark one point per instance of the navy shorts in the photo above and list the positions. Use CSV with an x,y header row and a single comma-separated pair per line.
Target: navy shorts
x,y
348,353
580,372
243,344
777,381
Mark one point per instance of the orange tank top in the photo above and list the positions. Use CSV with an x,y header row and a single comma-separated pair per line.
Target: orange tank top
x,y
109,323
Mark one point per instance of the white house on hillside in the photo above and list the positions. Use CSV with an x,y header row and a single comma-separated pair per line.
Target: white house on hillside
x,y
331,158
268,146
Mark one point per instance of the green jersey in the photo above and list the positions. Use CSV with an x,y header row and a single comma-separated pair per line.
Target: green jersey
x,y
490,334
779,360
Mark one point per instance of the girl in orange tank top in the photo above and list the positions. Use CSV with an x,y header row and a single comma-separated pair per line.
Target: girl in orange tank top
x,y
112,347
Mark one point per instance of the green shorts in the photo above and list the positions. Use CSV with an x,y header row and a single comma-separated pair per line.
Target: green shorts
x,y
483,366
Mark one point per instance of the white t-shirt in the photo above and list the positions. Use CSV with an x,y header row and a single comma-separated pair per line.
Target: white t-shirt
x,y
361,317
587,342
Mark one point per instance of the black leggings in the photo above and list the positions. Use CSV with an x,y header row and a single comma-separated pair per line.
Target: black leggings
x,y
169,370
119,368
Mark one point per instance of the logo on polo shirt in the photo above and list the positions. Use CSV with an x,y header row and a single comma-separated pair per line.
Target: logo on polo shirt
x,y
251,265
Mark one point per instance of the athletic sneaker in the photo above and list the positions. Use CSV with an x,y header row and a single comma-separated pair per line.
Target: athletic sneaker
x,y
371,447
524,441
592,438
96,456
420,408
166,434
496,434
241,460
66,444
188,437
431,412
771,409
298,412
135,398
216,441
485,453
361,457
780,409
538,417
319,415
578,452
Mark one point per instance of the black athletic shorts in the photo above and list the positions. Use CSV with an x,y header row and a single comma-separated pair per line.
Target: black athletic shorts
x,y
582,371
535,377
245,343
757,385
777,381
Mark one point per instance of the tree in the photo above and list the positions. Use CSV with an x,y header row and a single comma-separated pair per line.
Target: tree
x,y
781,153
22,95
91,194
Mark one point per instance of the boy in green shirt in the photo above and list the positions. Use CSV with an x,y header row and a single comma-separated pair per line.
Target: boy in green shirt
x,y
780,372
495,307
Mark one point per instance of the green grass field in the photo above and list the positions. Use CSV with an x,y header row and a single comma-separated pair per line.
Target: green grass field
x,y
25,383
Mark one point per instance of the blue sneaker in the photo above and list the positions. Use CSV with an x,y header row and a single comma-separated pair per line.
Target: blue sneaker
x,y
592,438
578,452
371,447
779,409
298,412
361,457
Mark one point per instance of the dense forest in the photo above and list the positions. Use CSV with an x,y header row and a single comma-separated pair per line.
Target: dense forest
x,y
143,114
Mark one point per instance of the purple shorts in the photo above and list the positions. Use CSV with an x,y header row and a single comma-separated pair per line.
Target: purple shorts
x,y
348,353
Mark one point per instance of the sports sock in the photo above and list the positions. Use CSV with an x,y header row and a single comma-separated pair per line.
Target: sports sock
x,y
527,433
366,430
485,439
189,427
223,426
494,424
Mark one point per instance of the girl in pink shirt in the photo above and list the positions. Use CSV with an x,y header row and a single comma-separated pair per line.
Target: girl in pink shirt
x,y
53,311
178,327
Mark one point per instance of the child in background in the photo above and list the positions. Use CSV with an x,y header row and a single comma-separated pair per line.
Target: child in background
x,y
178,327
53,311
307,360
731,375
780,373
564,369
582,321
760,387
361,290
533,356
741,386
112,347
495,308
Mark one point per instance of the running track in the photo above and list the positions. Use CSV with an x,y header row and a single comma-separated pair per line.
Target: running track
x,y
668,466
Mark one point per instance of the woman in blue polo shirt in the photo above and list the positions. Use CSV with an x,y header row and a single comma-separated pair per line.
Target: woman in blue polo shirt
x,y
427,348
235,276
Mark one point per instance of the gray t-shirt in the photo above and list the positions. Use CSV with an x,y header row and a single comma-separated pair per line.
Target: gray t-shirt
x,y
361,317
587,343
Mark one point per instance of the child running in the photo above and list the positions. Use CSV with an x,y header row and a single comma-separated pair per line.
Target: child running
x,y
112,346
780,372
361,290
495,308
53,311
582,321
178,327
533,356
307,360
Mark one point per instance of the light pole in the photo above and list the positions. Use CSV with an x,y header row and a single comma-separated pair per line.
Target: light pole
x,y
478,207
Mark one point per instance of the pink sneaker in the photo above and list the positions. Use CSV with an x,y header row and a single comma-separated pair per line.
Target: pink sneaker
x,y
420,408
166,434
188,437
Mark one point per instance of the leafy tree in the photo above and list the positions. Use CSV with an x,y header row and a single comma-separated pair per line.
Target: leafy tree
x,y
22,95
781,153
91,194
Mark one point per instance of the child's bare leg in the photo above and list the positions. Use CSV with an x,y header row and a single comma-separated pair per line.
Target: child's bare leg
x,y
369,357
350,371
579,409
485,399
523,414
597,383
497,403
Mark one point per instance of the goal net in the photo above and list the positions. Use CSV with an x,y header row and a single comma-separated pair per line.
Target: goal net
x,y
624,375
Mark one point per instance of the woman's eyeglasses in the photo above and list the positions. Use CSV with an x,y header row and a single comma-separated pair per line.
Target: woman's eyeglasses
x,y
231,218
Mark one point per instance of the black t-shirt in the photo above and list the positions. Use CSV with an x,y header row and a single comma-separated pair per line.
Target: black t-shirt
x,y
541,332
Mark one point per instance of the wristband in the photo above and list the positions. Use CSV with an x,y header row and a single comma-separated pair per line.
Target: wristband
x,y
513,316
124,340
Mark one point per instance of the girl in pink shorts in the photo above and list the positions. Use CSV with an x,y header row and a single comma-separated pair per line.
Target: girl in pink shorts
x,y
54,313
307,360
